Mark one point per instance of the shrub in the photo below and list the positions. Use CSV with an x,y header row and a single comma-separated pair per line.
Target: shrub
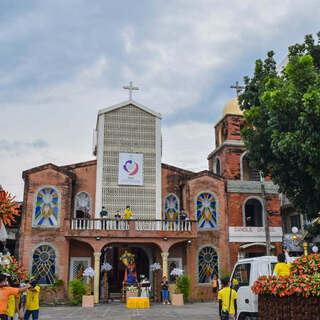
x,y
183,285
304,279
77,289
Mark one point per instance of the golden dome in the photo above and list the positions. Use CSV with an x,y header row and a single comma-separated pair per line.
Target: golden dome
x,y
232,107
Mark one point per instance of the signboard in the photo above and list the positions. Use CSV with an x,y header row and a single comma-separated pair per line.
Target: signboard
x,y
130,169
254,234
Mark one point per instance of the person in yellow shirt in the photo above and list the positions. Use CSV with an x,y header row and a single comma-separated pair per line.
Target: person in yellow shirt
x,y
11,306
13,303
227,301
282,268
32,305
127,213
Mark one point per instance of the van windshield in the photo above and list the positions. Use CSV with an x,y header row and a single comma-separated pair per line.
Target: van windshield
x,y
241,275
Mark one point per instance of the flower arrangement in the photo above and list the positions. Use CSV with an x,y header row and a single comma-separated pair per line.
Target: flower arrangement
x,y
89,272
304,279
155,266
177,272
14,269
132,289
106,267
8,208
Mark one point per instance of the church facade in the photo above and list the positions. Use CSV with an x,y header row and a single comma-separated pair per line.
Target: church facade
x,y
63,232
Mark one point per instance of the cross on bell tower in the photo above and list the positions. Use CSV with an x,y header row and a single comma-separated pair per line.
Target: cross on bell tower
x,y
130,87
237,87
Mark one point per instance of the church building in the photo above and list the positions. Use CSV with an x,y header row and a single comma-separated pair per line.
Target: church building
x,y
64,232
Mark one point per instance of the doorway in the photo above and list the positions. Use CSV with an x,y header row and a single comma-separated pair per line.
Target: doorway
x,y
111,254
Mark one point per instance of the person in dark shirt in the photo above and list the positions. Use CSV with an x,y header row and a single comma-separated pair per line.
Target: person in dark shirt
x,y
104,215
183,216
165,291
117,217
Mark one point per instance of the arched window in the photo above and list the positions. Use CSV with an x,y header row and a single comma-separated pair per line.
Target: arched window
x,y
82,206
223,133
253,213
248,173
206,211
47,207
44,262
207,264
171,207
217,167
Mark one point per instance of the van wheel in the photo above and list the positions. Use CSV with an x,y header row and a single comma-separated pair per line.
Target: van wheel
x,y
245,317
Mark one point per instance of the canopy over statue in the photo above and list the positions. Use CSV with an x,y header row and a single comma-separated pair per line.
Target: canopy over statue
x,y
130,276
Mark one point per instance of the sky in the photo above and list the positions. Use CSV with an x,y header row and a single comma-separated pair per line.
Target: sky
x,y
62,61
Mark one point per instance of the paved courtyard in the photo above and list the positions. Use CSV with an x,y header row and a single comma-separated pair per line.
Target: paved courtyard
x,y
118,311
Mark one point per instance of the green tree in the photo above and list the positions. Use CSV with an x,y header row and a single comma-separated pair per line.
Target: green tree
x,y
281,133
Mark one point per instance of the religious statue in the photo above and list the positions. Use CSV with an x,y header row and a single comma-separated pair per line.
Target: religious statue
x,y
130,276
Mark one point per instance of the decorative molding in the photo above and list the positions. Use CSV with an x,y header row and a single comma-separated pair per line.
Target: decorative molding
x,y
238,186
244,208
231,143
254,234
126,103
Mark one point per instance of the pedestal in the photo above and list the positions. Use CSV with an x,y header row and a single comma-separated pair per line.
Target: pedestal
x,y
172,290
177,299
132,294
87,301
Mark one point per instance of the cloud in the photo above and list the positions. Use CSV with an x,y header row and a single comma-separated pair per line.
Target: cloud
x,y
56,73
188,144
21,147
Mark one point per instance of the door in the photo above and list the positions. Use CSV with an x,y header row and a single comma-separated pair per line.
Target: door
x,y
241,282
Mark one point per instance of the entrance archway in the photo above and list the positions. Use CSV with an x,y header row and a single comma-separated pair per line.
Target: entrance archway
x,y
111,253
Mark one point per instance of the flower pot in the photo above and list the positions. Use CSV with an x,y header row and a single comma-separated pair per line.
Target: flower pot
x,y
177,299
87,301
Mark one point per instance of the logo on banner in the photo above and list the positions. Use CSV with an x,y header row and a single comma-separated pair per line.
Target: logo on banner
x,y
131,167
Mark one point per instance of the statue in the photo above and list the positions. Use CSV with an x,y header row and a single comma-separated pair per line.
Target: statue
x,y
130,276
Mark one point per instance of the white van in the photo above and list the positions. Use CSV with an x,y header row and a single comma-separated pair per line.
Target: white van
x,y
244,274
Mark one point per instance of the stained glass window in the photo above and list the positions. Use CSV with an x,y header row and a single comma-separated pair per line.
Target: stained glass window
x,y
83,203
171,208
44,264
47,205
206,211
207,264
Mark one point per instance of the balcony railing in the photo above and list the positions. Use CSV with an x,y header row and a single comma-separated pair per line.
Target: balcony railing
x,y
138,225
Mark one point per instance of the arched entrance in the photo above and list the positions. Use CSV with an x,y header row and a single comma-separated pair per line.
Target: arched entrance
x,y
111,253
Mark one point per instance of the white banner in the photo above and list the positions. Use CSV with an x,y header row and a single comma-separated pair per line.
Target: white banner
x,y
130,169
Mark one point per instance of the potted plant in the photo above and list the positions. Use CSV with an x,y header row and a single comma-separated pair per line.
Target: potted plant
x,y
183,285
296,294
177,298
88,300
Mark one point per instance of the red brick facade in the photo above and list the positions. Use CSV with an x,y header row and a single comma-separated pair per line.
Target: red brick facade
x,y
186,185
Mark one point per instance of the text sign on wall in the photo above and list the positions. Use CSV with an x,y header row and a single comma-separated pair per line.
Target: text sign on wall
x,y
130,169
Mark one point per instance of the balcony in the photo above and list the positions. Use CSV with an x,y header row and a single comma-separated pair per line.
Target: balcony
x,y
137,228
